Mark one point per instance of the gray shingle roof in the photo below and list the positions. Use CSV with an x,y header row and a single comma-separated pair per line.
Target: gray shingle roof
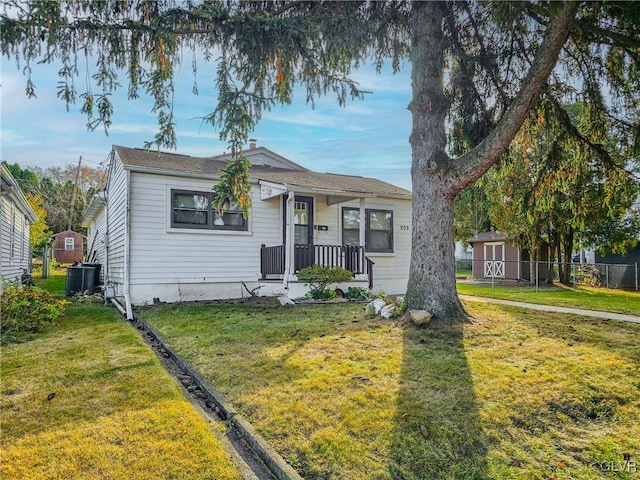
x,y
294,176
487,237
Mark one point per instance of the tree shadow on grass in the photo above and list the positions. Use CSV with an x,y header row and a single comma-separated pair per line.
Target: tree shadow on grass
x,y
438,433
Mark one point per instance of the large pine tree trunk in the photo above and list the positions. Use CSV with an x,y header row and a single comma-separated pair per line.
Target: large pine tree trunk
x,y
432,284
436,177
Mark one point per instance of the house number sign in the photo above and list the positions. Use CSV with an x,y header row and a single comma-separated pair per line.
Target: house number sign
x,y
404,227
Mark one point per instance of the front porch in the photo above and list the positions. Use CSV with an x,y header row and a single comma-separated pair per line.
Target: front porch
x,y
273,261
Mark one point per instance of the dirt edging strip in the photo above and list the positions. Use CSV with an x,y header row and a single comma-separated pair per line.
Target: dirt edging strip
x,y
216,401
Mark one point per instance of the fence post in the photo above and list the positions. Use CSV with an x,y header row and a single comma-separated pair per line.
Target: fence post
x,y
493,277
537,275
636,276
607,270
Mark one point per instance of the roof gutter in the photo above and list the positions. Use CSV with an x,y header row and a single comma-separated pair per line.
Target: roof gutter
x,y
177,173
325,191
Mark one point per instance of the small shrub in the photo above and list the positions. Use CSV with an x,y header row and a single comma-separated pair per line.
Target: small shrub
x,y
358,293
26,310
317,277
401,309
318,294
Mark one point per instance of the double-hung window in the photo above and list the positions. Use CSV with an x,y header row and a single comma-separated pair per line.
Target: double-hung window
x,y
69,243
350,226
378,229
192,209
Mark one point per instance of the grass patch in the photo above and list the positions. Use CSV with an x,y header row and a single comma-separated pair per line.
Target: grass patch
x,y
590,298
115,414
55,283
463,273
516,394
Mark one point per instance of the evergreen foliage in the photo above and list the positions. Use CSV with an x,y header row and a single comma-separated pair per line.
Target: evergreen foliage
x,y
496,57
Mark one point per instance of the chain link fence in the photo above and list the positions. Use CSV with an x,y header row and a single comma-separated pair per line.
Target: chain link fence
x,y
607,275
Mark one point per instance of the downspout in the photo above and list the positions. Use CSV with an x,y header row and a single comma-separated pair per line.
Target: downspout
x,y
127,298
289,246
106,238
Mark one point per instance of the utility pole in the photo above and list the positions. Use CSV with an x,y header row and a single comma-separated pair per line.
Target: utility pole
x,y
73,196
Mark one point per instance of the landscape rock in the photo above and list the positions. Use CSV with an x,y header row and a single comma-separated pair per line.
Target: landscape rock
x,y
376,306
285,300
419,317
388,311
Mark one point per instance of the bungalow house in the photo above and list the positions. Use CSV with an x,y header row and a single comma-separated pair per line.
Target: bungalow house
x,y
16,217
157,237
496,256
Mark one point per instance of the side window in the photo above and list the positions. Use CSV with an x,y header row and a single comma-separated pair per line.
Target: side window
x,y
69,243
350,226
192,209
379,231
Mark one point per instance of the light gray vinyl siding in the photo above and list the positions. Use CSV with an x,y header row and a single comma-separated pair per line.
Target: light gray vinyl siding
x,y
96,240
390,268
117,213
330,217
161,254
15,252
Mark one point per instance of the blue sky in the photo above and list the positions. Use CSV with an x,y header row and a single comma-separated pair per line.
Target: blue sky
x,y
368,137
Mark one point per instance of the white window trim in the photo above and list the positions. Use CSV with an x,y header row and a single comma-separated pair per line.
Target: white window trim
x,y
377,208
72,243
200,231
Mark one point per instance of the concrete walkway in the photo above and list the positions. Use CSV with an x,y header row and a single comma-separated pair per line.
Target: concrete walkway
x,y
552,308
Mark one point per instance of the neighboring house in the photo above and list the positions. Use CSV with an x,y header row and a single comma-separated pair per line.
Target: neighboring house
x,y
462,251
623,271
158,237
496,256
16,217
620,271
68,247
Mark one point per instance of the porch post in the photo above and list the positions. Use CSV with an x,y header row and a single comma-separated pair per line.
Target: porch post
x,y
361,239
289,248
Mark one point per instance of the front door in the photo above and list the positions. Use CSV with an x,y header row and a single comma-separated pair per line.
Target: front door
x,y
303,231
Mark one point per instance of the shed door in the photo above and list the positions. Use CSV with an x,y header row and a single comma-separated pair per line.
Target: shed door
x,y
494,260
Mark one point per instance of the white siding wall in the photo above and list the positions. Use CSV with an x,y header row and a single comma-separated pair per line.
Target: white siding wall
x,y
329,216
117,213
391,270
180,264
96,240
14,228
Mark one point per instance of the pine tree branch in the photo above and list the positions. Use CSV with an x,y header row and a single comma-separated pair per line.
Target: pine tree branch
x,y
469,167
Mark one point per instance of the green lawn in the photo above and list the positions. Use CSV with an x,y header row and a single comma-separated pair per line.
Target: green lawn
x,y
516,394
590,298
87,399
55,283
